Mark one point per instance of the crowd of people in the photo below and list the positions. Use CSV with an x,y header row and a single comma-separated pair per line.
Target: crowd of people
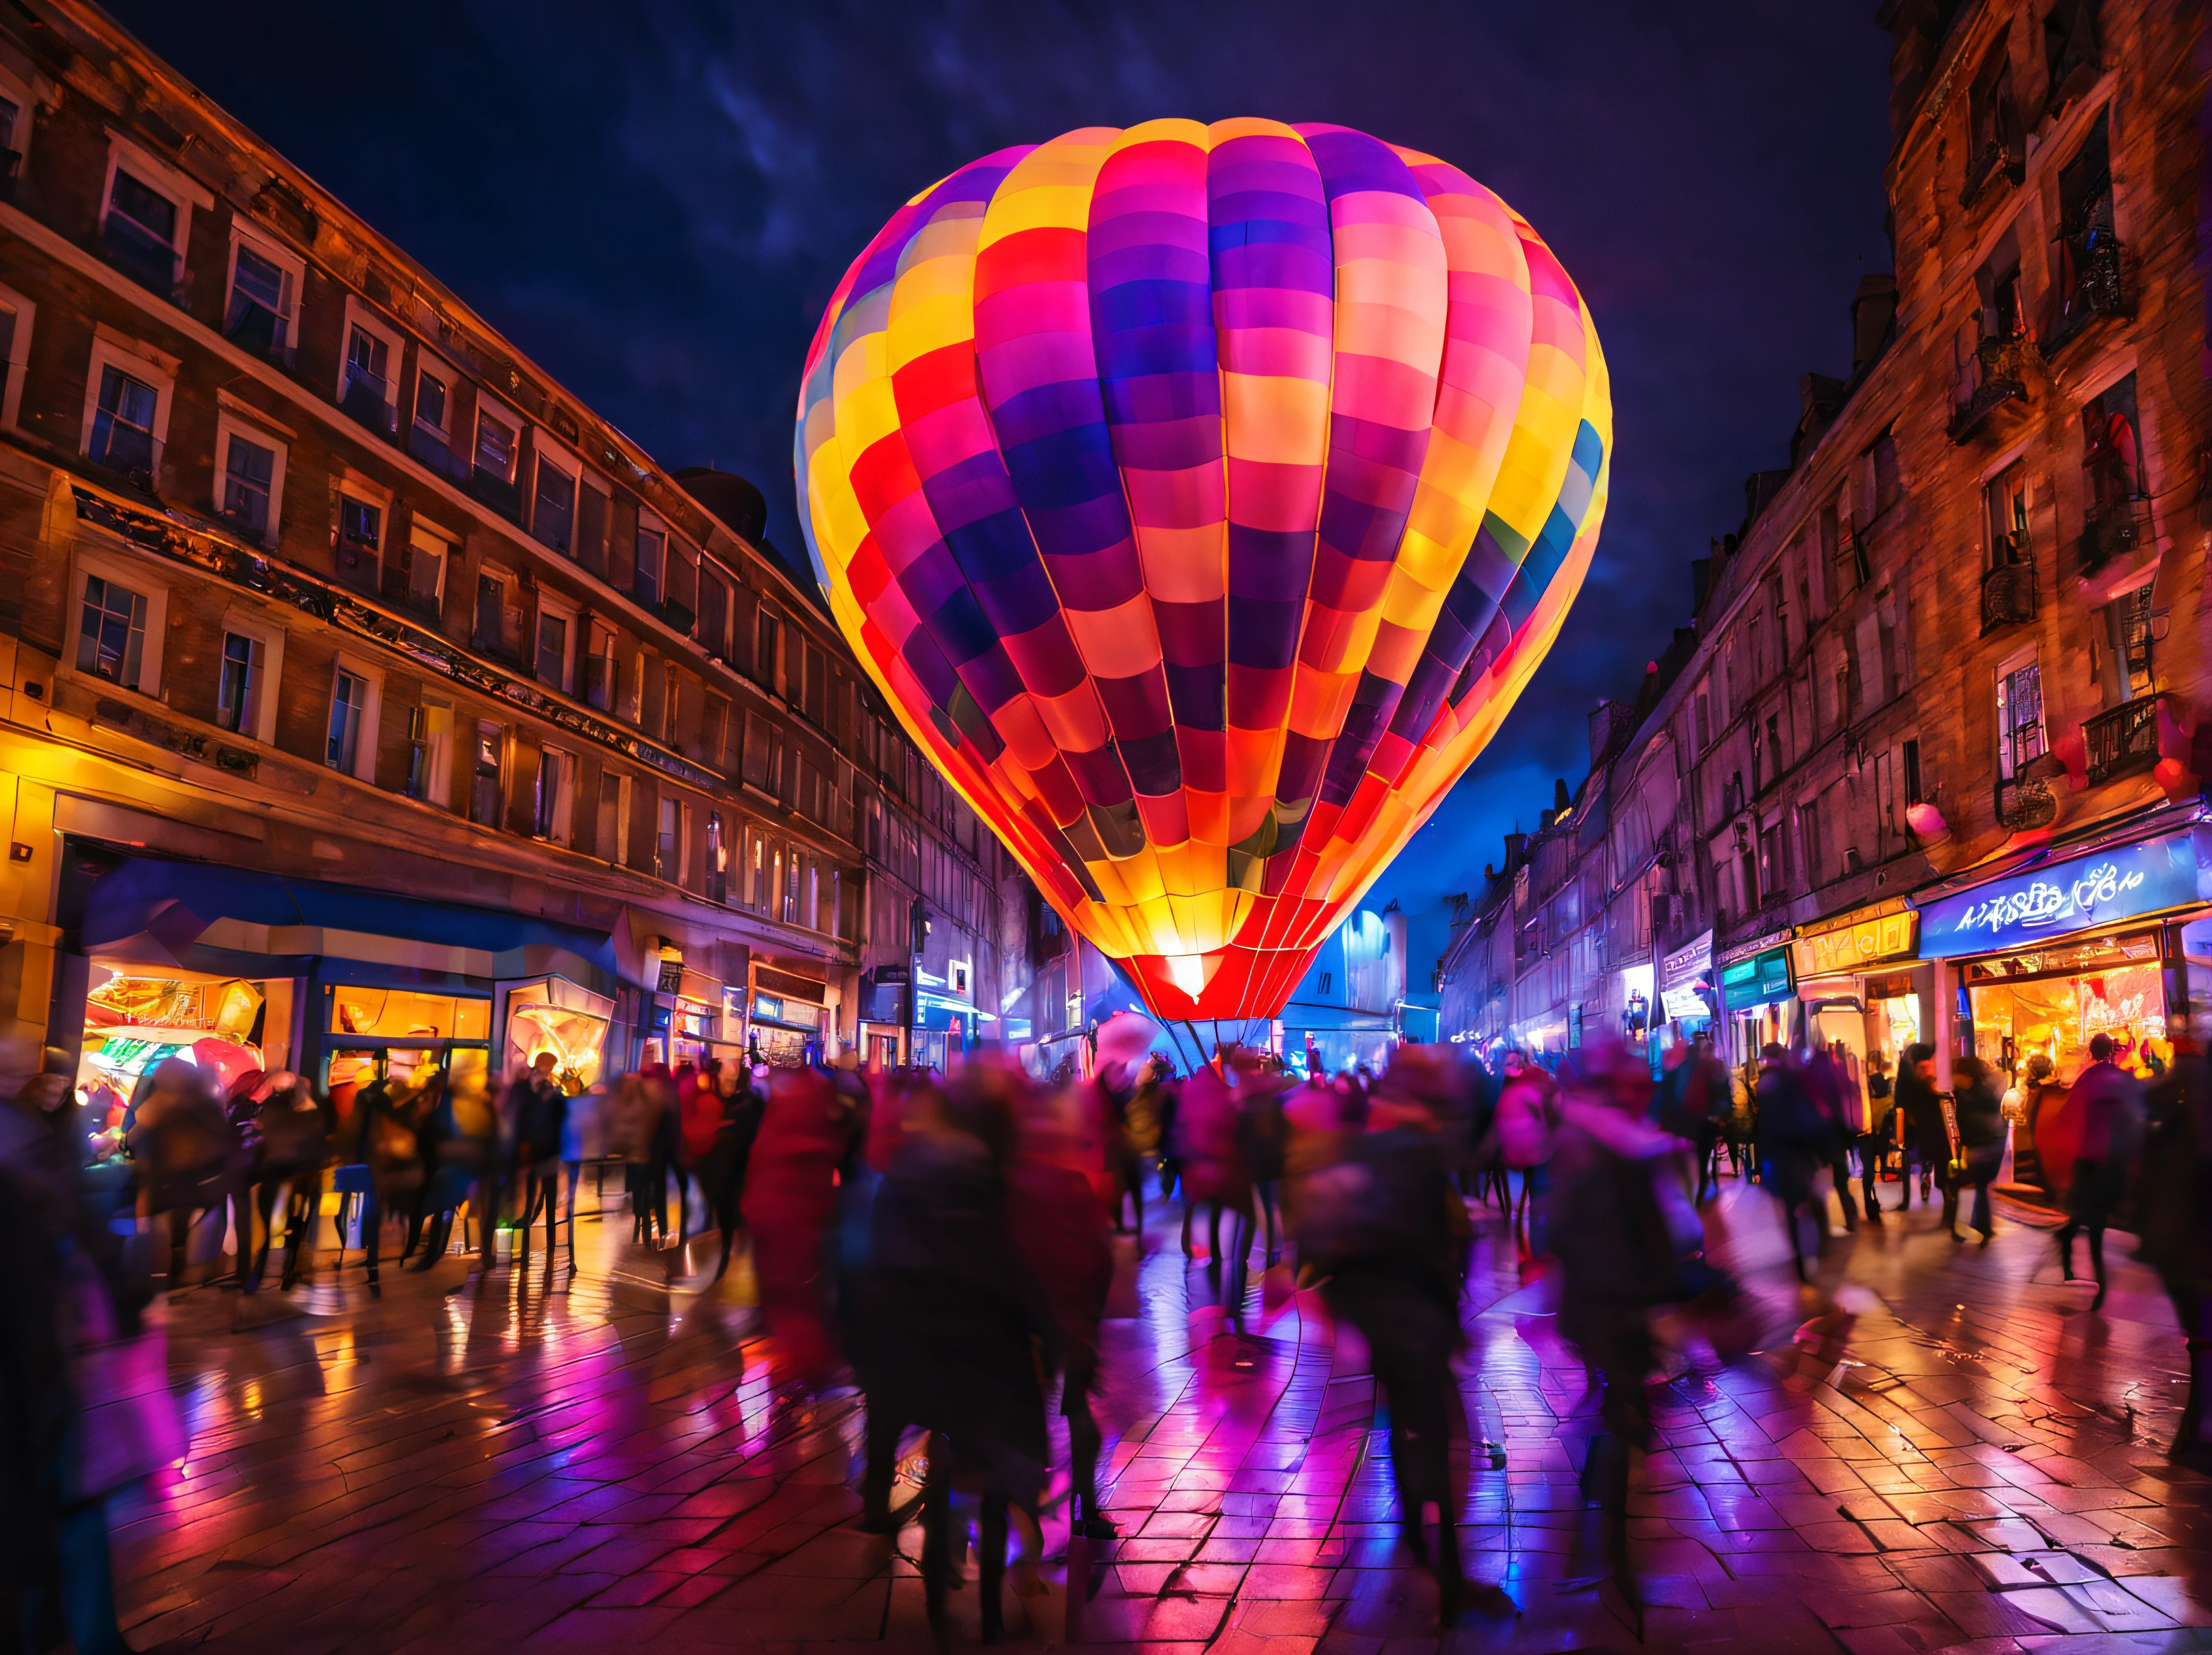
x,y
953,1244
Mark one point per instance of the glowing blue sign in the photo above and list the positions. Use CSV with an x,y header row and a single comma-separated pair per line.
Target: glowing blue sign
x,y
2086,893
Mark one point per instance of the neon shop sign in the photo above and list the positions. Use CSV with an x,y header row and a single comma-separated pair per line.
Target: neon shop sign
x,y
2095,890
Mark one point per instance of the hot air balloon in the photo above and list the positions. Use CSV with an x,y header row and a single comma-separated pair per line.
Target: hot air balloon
x,y
1201,498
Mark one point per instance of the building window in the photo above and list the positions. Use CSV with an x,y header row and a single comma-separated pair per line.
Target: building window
x,y
2113,475
1915,791
361,544
348,699
489,634
249,475
366,393
600,670
429,752
2089,280
591,543
717,860
2008,517
123,423
713,628
671,702
2020,717
430,434
16,315
238,695
767,631
258,317
493,476
553,510
140,234
2127,645
552,664
556,778
645,581
484,791
666,848
428,556
611,840
111,639
1888,481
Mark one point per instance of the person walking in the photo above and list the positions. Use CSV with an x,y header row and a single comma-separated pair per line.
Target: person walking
x,y
1881,1133
1794,1143
1619,1258
1926,1139
960,1335
1388,1228
190,1157
2177,1223
538,1131
1980,1109
1059,1226
2111,1104
1528,1115
1844,1112
294,1143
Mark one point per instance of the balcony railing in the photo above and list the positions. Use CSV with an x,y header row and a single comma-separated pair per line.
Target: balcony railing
x,y
2116,531
2002,378
2026,804
2092,283
2123,741
2007,596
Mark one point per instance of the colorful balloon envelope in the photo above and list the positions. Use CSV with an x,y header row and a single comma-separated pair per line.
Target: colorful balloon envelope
x,y
1201,498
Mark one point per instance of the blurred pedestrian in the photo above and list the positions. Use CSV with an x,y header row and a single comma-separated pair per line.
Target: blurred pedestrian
x,y
1619,1258
190,1157
2110,1101
293,1142
1059,1229
1795,1140
790,1203
960,1335
539,1128
1926,1139
1528,1116
1979,1107
1389,1230
1881,1132
2177,1224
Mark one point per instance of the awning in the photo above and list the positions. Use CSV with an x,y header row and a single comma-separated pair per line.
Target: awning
x,y
159,913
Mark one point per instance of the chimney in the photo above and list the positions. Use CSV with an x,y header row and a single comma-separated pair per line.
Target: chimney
x,y
1562,800
1874,319
1516,846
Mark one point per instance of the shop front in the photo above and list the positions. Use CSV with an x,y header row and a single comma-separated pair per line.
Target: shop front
x,y
788,1020
1756,994
240,971
1864,993
2046,959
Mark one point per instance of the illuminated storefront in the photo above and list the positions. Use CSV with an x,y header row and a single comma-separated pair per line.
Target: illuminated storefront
x,y
2050,957
1756,994
553,1015
1861,987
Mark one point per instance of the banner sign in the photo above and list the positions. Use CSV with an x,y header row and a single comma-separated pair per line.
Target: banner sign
x,y
1684,975
1857,945
2031,908
1758,981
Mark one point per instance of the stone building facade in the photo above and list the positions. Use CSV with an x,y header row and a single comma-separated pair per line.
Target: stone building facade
x,y
1959,640
365,695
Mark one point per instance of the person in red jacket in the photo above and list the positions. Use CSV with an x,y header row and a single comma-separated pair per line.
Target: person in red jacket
x,y
790,1200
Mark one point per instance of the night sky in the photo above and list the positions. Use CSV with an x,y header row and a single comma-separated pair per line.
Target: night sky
x,y
655,201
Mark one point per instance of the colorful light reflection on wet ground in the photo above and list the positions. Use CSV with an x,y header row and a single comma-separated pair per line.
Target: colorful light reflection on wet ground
x,y
1965,1458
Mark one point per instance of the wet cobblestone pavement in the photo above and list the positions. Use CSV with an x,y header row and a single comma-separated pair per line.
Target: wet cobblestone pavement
x,y
1958,1455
